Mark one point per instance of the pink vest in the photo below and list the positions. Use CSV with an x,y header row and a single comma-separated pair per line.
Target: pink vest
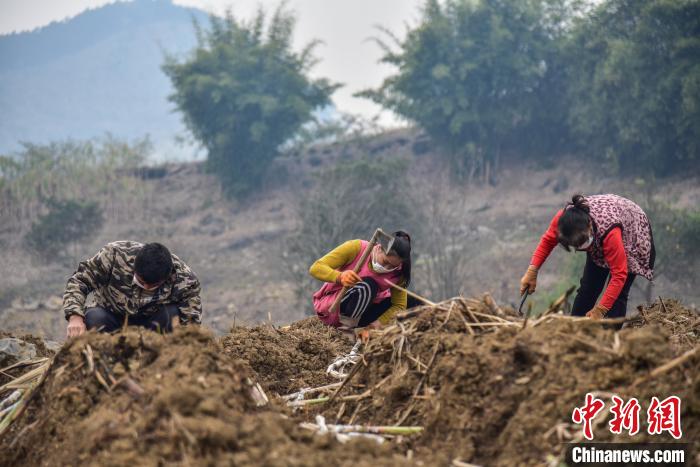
x,y
323,299
610,211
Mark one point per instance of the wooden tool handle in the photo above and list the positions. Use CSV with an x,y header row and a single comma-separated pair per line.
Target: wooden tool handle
x,y
357,268
411,294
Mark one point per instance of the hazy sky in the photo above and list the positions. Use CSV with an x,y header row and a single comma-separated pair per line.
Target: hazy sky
x,y
343,25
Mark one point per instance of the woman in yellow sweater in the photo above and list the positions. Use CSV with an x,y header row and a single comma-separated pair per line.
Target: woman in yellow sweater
x,y
370,299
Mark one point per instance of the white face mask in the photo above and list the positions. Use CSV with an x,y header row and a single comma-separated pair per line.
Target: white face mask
x,y
141,284
587,243
379,268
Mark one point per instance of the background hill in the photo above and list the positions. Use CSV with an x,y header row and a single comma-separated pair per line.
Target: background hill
x,y
253,257
475,182
98,72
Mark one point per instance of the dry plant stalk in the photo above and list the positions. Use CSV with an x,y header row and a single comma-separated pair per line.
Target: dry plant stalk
x,y
408,411
30,383
668,366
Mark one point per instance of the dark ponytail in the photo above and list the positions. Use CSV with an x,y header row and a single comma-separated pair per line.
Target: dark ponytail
x,y
402,249
574,222
579,202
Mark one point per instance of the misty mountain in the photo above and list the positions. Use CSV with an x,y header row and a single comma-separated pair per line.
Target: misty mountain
x,y
95,73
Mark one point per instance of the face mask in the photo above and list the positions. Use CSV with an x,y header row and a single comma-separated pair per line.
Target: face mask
x,y
588,243
142,285
379,268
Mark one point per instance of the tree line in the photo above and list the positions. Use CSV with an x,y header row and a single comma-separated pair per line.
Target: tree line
x,y
615,82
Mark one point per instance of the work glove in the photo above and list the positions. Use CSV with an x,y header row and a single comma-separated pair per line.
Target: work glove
x,y
363,335
76,326
597,312
529,280
348,278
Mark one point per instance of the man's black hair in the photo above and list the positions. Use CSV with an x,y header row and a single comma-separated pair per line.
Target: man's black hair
x,y
153,263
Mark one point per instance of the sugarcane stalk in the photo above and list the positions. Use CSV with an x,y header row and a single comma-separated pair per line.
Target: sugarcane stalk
x,y
25,380
9,408
24,363
306,402
321,400
495,323
489,316
7,419
294,395
377,430
21,405
17,409
11,399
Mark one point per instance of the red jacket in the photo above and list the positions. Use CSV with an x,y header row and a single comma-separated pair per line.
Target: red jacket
x,y
613,250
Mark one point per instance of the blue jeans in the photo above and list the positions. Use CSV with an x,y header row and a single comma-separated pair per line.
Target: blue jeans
x,y
105,321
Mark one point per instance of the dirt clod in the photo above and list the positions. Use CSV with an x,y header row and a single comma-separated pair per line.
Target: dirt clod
x,y
290,358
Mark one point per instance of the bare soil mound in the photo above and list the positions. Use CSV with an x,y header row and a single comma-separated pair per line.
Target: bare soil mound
x,y
289,358
504,395
486,388
143,399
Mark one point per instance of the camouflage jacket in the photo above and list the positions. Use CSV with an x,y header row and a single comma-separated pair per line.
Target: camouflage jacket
x,y
110,275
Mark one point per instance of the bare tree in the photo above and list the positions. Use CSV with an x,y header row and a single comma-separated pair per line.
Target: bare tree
x,y
441,267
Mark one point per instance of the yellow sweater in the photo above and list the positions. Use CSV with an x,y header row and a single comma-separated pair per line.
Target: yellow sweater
x,y
326,269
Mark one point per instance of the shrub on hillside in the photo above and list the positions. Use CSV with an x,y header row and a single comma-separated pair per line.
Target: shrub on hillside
x,y
99,170
243,92
66,224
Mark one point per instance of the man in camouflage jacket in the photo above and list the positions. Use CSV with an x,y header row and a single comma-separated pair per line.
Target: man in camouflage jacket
x,y
144,285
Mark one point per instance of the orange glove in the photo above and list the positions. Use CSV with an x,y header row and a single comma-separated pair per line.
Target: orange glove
x,y
597,312
363,335
348,278
529,280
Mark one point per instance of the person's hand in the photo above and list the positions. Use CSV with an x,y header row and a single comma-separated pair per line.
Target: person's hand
x,y
529,280
597,312
349,278
76,326
363,335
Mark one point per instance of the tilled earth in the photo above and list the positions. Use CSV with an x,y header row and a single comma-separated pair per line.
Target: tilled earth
x,y
484,393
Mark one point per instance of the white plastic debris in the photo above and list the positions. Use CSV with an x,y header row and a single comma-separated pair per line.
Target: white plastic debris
x,y
341,365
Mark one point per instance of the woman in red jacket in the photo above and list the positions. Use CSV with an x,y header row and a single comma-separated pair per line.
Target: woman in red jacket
x,y
616,235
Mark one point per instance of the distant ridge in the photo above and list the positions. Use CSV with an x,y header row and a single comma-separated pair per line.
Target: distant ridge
x,y
97,72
